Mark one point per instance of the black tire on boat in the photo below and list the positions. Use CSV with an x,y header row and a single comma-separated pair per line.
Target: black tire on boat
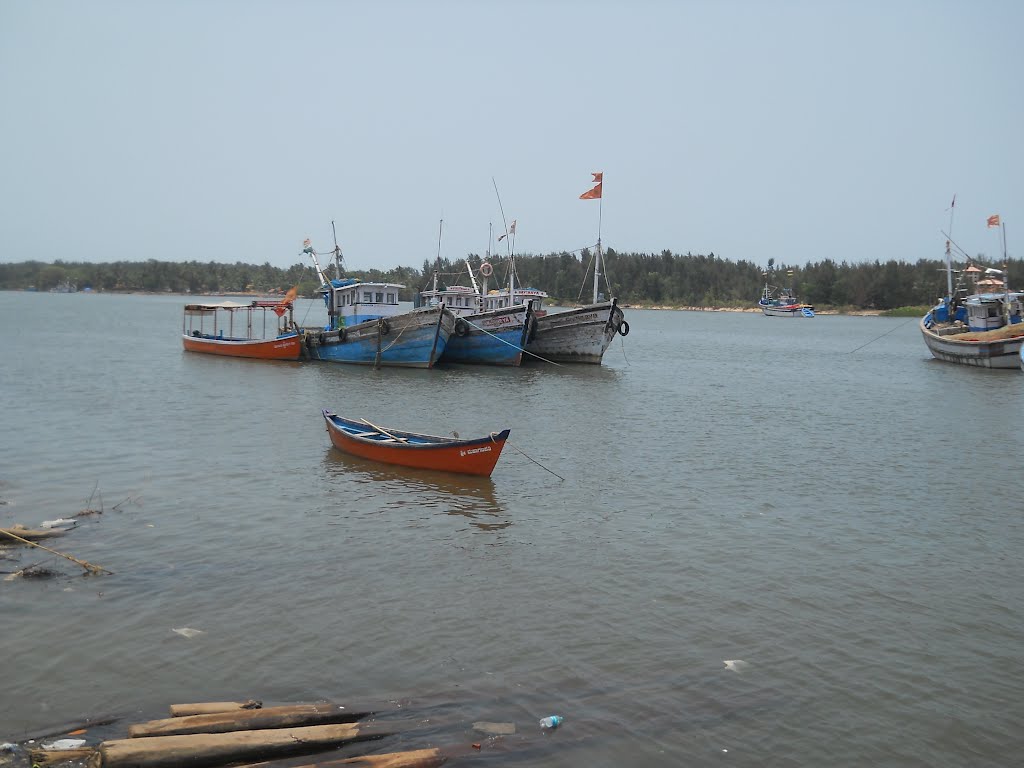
x,y
624,328
341,335
461,328
320,339
385,329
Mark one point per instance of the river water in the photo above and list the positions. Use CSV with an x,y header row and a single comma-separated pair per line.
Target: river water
x,y
816,498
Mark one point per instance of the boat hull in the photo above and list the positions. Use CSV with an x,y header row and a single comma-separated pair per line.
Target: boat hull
x,y
496,337
412,449
415,339
796,311
578,335
287,347
966,349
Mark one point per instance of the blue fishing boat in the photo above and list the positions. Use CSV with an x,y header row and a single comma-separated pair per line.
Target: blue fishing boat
x,y
367,326
486,332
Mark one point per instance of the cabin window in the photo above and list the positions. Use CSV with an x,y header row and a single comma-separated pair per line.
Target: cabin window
x,y
367,297
380,297
392,299
993,312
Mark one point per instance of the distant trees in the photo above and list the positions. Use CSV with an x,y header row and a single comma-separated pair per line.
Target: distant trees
x,y
663,278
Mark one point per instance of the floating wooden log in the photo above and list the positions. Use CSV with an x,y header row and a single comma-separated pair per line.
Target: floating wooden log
x,y
418,758
212,707
248,720
208,749
47,757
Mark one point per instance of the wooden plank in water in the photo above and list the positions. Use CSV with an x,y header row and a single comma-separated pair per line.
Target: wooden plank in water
x,y
247,720
205,749
211,707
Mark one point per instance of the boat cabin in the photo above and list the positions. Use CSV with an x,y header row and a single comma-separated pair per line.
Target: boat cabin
x,y
352,301
529,296
460,299
986,311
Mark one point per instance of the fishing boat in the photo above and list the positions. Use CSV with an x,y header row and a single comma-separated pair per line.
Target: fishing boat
x,y
367,326
412,449
582,334
485,333
234,329
979,320
578,335
782,302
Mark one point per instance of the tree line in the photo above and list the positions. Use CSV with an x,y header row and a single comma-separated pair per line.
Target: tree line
x,y
666,278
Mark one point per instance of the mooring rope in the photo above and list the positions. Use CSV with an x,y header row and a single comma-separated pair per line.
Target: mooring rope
x,y
509,442
884,334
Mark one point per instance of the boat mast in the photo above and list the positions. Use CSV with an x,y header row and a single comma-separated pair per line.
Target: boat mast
x,y
437,263
598,262
337,253
949,256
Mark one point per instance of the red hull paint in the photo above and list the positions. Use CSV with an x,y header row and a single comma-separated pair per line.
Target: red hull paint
x,y
467,457
261,349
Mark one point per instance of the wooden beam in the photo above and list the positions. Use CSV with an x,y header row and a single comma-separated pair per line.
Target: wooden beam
x,y
205,749
247,720
210,707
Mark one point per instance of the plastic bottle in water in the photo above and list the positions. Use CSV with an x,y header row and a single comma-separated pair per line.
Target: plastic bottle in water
x,y
551,721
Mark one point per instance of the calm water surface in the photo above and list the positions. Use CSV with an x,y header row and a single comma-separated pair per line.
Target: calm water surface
x,y
844,518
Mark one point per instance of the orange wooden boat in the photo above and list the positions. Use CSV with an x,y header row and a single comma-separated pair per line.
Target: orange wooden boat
x,y
411,449
235,330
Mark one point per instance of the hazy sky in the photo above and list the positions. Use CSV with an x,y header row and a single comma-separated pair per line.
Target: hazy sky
x,y
229,131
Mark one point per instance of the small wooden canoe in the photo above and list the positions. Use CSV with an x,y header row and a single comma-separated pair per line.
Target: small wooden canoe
x,y
411,449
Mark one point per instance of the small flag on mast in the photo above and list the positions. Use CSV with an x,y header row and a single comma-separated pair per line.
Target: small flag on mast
x,y
511,231
993,221
595,193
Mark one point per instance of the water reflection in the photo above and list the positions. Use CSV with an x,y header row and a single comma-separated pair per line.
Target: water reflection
x,y
461,495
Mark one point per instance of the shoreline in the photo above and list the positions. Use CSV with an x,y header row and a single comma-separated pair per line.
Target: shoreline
x,y
853,313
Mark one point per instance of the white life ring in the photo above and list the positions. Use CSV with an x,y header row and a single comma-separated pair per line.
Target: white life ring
x,y
486,269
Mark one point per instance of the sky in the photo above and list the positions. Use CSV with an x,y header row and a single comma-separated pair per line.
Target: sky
x,y
222,130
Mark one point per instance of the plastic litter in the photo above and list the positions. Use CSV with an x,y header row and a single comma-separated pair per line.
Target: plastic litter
x,y
551,721
64,744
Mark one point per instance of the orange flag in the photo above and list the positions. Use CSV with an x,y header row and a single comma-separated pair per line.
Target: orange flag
x,y
993,221
592,194
598,177
289,297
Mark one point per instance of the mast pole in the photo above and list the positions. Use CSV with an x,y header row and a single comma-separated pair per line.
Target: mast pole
x,y
949,257
598,262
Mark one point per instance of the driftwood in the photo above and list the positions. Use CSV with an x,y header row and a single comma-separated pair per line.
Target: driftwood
x,y
247,720
88,566
418,758
19,534
212,707
46,757
207,749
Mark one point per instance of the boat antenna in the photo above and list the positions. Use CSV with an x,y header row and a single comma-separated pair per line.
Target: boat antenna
x,y
337,252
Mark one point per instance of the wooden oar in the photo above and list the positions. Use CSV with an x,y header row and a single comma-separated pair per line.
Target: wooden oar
x,y
384,431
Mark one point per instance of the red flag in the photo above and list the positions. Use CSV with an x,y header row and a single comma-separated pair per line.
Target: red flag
x,y
598,177
282,305
993,221
592,194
